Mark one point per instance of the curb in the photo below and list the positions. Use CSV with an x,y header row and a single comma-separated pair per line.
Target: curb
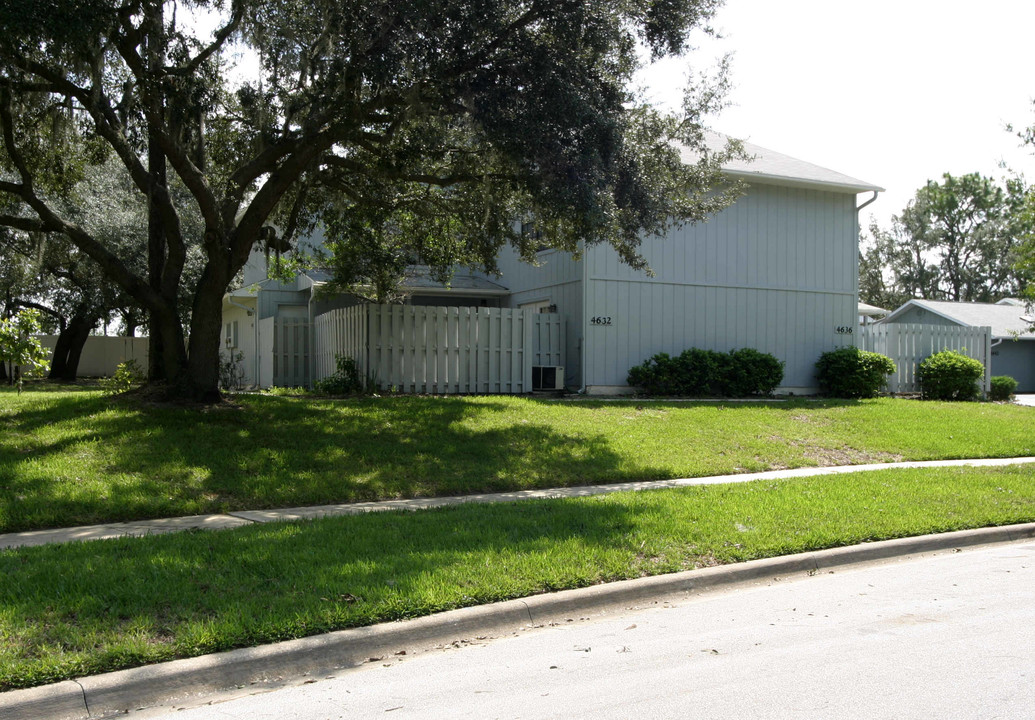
x,y
193,679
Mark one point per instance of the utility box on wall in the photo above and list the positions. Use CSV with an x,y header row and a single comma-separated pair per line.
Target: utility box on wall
x,y
547,377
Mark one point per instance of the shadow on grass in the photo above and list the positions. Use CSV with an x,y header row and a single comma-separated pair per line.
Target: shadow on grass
x,y
79,460
86,608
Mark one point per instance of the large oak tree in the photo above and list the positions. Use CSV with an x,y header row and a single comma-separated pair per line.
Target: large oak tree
x,y
432,125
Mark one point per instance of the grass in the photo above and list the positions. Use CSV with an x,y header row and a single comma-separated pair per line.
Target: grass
x,y
78,609
72,457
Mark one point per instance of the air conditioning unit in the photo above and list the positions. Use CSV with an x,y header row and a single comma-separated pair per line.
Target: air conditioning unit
x,y
547,377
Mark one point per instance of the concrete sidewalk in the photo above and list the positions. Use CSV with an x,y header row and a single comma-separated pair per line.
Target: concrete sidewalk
x,y
143,528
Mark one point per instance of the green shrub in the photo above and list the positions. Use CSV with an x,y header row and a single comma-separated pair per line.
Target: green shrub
x,y
750,372
344,381
949,375
697,372
231,372
700,372
849,372
127,374
1003,387
656,376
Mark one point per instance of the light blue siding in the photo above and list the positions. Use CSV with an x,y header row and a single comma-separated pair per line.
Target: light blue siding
x,y
270,301
1016,358
777,272
558,279
916,315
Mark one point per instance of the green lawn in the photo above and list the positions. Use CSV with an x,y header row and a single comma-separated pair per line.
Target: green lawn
x,y
71,457
72,610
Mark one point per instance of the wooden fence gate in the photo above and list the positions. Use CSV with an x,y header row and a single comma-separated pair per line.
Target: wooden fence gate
x,y
442,350
909,344
291,352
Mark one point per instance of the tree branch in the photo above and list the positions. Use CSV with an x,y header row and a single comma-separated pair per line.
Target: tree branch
x,y
105,120
221,36
49,221
42,308
279,182
425,178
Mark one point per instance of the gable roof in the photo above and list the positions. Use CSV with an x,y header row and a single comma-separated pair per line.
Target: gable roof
x,y
771,167
1006,321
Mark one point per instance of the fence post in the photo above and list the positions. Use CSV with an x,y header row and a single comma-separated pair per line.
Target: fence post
x,y
986,340
528,350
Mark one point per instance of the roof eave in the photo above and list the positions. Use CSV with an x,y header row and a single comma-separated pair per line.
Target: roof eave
x,y
769,179
916,302
464,292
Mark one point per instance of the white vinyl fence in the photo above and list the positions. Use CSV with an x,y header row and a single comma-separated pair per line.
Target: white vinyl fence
x,y
909,344
439,349
103,353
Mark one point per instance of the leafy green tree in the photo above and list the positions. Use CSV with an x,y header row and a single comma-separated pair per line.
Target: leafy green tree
x,y
958,239
1025,265
20,349
440,122
65,284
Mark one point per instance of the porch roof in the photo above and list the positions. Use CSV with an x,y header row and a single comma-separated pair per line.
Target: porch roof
x,y
419,279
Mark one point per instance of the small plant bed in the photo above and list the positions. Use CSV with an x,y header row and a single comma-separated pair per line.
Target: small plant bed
x,y
80,609
78,457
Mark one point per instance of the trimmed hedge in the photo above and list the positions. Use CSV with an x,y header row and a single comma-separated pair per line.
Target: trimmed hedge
x,y
849,372
697,372
1003,387
949,375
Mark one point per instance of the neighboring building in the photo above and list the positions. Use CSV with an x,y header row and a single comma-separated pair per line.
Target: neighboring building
x,y
1013,342
869,314
777,271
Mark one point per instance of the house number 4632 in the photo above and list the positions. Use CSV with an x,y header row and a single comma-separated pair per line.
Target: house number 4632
x,y
844,329
600,320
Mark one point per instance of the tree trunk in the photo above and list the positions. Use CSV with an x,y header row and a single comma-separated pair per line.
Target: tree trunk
x,y
64,365
206,334
156,242
166,326
156,264
131,322
59,359
80,328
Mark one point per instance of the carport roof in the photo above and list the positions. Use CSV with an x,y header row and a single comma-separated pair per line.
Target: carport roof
x,y
1006,321
420,279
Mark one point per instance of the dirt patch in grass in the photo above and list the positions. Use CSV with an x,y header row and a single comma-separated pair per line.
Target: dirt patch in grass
x,y
844,455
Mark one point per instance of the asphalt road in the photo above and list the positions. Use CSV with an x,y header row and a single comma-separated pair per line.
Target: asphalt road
x,y
944,636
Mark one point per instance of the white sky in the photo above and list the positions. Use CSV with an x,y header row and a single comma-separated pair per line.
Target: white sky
x,y
893,92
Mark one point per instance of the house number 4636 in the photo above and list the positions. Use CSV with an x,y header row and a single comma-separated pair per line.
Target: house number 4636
x,y
844,329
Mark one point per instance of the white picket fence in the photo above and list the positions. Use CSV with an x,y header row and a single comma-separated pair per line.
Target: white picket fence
x,y
909,344
441,350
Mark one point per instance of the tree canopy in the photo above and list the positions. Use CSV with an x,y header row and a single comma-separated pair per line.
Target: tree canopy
x,y
405,129
958,240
